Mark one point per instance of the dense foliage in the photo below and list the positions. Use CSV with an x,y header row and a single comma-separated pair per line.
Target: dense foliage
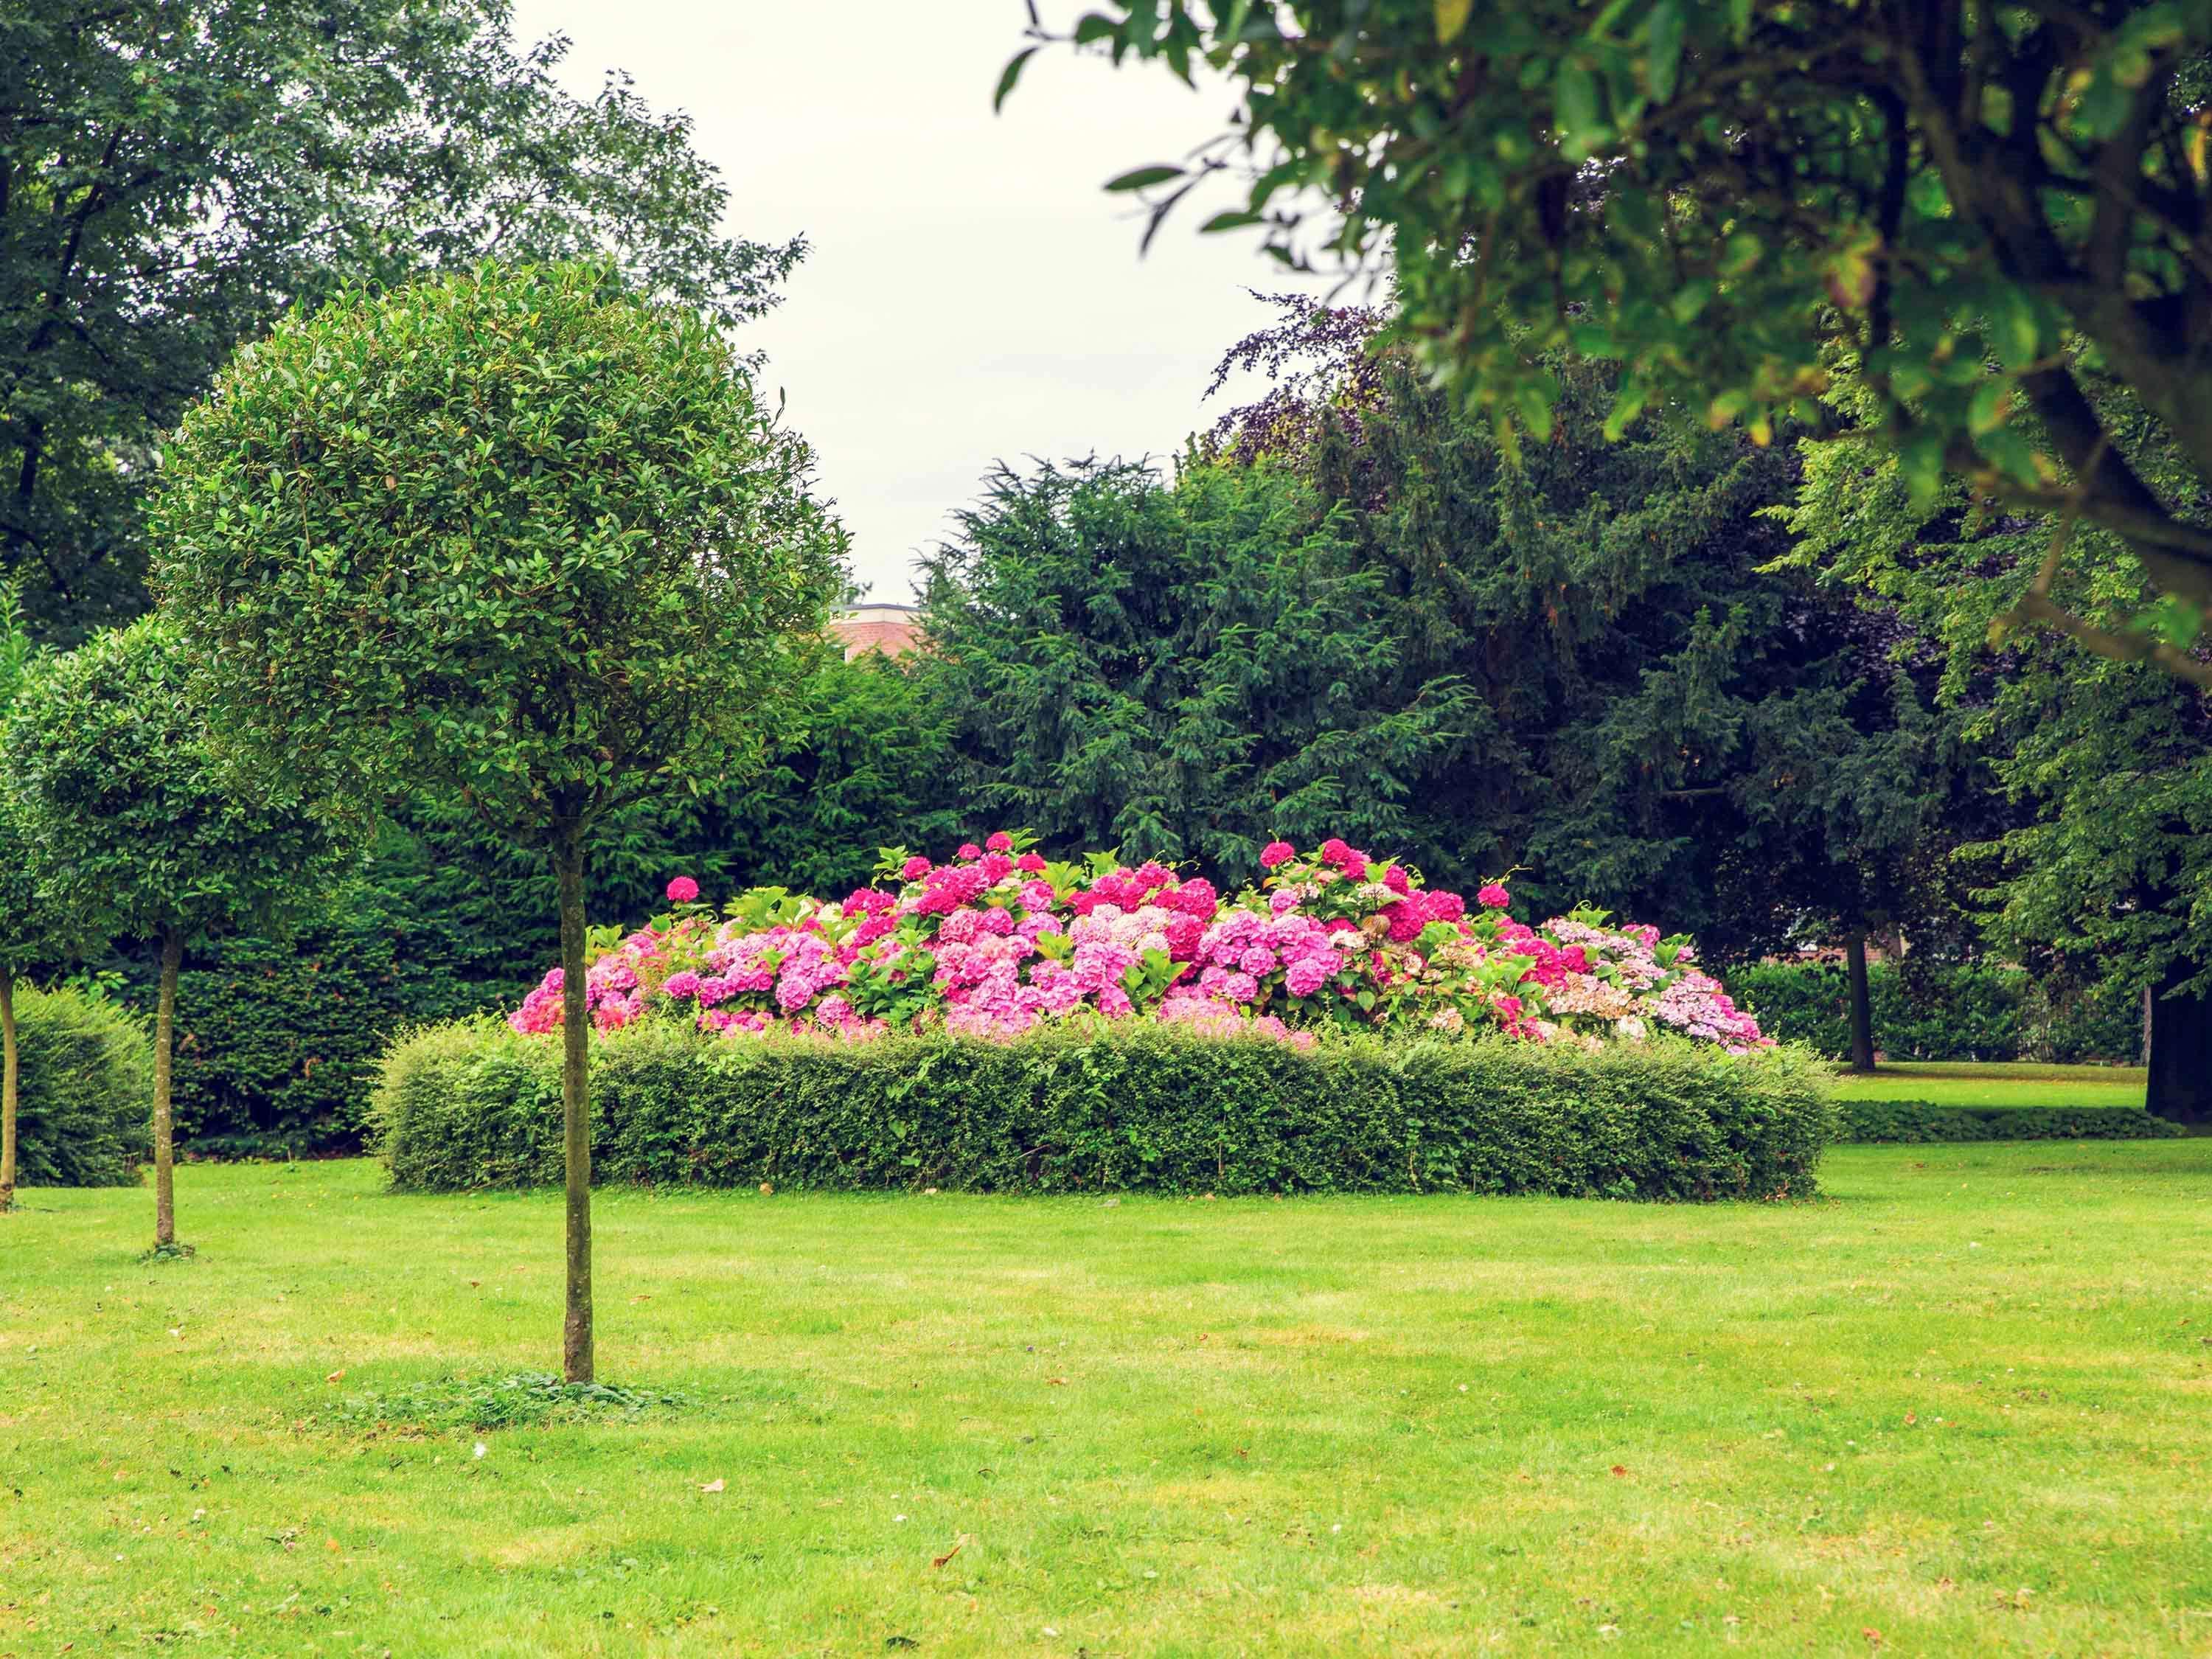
x,y
1352,609
87,1072
2103,870
173,177
999,939
1134,1106
1976,204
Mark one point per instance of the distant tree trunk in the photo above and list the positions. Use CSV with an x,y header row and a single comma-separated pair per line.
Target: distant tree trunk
x,y
165,1024
2181,1057
1862,1005
8,1065
575,1106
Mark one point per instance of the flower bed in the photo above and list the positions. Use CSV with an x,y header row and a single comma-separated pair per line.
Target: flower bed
x,y
998,940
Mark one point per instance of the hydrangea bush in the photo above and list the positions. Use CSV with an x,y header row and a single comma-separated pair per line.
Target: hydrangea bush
x,y
997,940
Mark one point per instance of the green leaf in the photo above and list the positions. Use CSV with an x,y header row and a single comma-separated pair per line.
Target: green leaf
x,y
1144,177
1008,76
1575,95
1451,19
1992,404
2014,332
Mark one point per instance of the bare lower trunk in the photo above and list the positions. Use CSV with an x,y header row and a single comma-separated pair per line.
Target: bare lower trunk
x,y
164,1023
9,1071
1862,1004
575,1109
2180,1056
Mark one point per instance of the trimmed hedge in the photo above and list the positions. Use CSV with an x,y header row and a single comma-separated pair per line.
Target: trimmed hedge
x,y
474,1105
1924,1120
85,1094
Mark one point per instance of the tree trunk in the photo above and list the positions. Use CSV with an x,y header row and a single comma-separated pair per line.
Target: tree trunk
x,y
164,1022
2180,1058
1862,1005
9,1072
575,1107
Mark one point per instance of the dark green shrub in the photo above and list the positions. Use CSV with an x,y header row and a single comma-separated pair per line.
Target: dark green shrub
x,y
1924,1120
88,1071
474,1105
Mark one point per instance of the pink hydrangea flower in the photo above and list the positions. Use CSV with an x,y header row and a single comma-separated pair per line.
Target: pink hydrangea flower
x,y
1493,896
683,890
1001,842
1275,853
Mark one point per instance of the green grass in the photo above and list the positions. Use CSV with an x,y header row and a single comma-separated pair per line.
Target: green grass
x,y
1997,1083
1961,1403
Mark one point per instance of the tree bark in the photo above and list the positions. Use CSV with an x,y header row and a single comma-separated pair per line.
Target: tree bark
x,y
1862,1004
9,1072
165,1024
576,1359
2180,1060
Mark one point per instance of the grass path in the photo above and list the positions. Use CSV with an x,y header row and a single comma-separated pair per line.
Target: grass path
x,y
1960,1405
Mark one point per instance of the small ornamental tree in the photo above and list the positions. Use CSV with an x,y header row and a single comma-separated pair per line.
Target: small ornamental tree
x,y
138,830
515,536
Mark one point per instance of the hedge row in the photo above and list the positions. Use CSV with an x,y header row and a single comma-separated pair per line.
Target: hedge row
x,y
1924,1120
85,1093
1966,1011
473,1105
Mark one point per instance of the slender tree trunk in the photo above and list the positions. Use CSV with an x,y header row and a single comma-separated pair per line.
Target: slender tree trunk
x,y
9,1072
575,1107
165,1025
1862,1004
2180,1051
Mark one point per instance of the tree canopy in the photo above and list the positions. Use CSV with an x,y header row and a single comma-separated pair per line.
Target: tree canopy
x,y
173,176
1977,206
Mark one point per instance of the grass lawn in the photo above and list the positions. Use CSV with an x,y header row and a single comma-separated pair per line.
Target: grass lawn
x,y
1997,1083
1958,1406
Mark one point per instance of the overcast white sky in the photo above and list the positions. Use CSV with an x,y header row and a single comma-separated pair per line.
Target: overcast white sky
x,y
971,294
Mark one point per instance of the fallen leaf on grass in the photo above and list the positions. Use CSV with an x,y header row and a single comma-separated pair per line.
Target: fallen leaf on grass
x,y
1056,1381
1621,1469
335,1376
715,1484
959,1544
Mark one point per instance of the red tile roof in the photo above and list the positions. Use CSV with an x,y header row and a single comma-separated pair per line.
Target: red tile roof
x,y
893,630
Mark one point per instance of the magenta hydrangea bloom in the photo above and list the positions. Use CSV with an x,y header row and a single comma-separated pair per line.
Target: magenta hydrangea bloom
x,y
1276,853
982,947
999,842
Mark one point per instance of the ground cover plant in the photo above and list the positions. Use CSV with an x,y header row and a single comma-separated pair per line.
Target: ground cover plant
x,y
1955,1406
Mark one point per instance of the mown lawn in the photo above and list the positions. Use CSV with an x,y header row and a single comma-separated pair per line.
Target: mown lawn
x,y
1997,1083
1959,1405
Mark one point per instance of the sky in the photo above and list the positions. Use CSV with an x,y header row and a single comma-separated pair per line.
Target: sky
x,y
971,294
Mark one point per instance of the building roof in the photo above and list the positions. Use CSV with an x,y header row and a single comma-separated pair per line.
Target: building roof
x,y
893,630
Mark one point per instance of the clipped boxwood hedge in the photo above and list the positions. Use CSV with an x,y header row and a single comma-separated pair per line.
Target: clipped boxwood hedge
x,y
1143,1107
1924,1120
85,1093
